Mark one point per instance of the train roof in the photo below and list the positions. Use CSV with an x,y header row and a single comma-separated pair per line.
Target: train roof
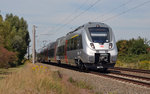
x,y
87,25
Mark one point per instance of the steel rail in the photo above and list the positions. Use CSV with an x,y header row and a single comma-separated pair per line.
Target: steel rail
x,y
132,76
122,79
132,70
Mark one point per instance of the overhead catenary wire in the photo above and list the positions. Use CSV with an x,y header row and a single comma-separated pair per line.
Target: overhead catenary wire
x,y
127,10
116,8
137,34
76,10
92,5
123,12
69,16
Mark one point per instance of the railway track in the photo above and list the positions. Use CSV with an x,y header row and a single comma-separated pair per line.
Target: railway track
x,y
132,70
117,75
131,76
124,79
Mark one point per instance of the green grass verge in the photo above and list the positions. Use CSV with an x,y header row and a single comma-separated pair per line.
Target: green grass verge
x,y
134,61
5,72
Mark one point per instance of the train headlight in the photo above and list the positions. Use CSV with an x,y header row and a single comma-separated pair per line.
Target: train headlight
x,y
92,45
110,45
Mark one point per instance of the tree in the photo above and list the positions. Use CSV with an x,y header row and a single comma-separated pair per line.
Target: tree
x,y
123,47
18,38
1,39
14,35
138,46
133,46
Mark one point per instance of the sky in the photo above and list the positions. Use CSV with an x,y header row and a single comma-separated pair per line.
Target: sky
x,y
54,18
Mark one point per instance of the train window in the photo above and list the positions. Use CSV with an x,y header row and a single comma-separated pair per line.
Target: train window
x,y
80,42
72,44
75,43
99,34
60,51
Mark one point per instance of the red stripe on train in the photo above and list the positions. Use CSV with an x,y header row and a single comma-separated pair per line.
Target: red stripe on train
x,y
66,52
55,52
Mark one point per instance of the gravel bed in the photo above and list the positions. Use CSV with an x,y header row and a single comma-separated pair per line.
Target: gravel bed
x,y
103,85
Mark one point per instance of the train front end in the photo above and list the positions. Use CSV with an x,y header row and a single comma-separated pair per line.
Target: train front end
x,y
100,46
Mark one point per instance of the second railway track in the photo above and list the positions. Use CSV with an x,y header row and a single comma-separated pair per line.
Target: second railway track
x,y
124,79
132,70
118,74
132,76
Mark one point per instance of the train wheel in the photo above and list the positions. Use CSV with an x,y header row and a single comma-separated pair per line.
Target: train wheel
x,y
58,62
77,63
82,66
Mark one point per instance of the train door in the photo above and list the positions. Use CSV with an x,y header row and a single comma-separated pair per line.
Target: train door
x,y
65,48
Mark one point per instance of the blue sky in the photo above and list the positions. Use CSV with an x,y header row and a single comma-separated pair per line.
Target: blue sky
x,y
50,16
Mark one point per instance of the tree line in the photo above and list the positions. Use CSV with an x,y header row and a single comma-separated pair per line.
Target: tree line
x,y
134,51
14,40
133,46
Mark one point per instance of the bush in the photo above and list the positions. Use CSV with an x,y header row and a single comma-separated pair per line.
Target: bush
x,y
119,63
133,47
7,58
138,46
144,65
133,53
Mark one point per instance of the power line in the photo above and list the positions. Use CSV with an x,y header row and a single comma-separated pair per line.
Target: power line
x,y
92,5
137,6
116,8
69,16
76,10
85,10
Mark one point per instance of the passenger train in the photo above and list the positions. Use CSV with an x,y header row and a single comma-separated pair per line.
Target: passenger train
x,y
91,45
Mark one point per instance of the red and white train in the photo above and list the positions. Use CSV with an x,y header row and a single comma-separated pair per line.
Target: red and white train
x,y
91,45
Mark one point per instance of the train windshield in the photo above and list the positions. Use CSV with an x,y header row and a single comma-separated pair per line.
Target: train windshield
x,y
99,34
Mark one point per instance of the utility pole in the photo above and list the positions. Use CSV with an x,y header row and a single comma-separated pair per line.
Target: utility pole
x,y
33,49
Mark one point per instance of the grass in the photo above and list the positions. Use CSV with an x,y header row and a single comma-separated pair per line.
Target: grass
x,y
34,79
80,84
31,80
5,72
134,58
145,64
141,61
